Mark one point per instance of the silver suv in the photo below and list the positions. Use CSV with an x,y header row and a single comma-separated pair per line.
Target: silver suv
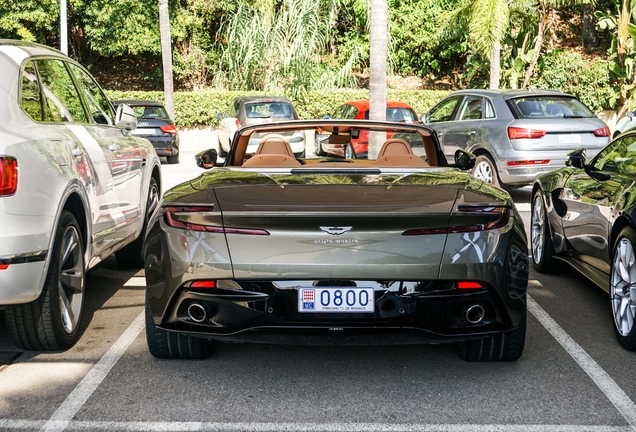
x,y
75,187
515,134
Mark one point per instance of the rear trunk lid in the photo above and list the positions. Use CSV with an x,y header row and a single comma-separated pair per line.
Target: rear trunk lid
x,y
336,231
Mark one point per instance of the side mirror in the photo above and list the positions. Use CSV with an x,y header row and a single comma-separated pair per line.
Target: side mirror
x,y
464,161
576,159
423,118
220,116
125,118
207,158
630,114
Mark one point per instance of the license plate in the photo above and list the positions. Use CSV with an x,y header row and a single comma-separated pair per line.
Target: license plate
x,y
570,139
144,132
336,299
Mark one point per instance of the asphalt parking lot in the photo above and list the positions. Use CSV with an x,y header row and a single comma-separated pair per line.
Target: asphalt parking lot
x,y
573,375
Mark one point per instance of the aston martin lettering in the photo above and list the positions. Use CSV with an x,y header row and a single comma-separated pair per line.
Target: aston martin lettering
x,y
336,241
336,230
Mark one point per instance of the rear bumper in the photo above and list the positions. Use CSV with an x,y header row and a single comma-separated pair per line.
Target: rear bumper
x,y
270,315
165,146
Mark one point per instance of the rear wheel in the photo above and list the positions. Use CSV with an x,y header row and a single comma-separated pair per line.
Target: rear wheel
x,y
131,255
349,153
486,170
318,148
173,159
52,321
542,247
623,289
505,346
165,344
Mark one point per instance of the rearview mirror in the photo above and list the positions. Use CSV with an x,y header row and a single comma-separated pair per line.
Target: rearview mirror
x,y
207,158
125,118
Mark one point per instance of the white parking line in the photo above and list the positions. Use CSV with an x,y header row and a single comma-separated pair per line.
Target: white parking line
x,y
78,397
63,416
614,393
308,427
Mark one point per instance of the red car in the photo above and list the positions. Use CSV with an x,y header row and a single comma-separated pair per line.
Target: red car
x,y
395,111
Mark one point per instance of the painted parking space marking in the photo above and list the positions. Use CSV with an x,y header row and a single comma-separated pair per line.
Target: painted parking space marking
x,y
62,419
306,427
603,381
78,397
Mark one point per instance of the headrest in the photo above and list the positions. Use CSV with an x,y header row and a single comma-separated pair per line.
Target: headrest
x,y
275,144
394,147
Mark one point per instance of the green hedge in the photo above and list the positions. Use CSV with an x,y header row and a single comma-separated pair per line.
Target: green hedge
x,y
199,109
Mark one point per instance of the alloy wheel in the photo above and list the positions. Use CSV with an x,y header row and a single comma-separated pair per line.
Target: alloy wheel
x,y
71,279
623,287
483,171
537,229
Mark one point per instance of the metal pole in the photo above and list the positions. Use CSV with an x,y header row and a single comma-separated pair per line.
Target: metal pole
x,y
63,28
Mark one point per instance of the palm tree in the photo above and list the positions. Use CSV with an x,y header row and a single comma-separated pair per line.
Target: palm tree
x,y
377,64
166,56
486,22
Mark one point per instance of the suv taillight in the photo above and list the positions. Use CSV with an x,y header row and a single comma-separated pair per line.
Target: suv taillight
x,y
8,175
603,132
169,129
524,133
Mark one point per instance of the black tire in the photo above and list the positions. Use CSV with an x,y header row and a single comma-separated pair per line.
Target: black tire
x,y
171,345
540,238
222,152
318,148
172,159
503,347
132,255
486,170
52,322
621,303
349,152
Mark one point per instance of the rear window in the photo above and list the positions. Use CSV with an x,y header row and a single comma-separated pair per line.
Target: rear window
x,y
282,110
404,115
150,112
549,107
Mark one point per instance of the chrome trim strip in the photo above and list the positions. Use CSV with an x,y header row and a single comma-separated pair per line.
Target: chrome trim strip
x,y
27,257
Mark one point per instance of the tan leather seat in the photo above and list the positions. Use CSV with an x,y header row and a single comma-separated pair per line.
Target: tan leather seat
x,y
398,153
274,151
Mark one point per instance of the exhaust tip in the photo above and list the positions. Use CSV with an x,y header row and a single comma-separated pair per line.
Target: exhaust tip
x,y
475,314
197,312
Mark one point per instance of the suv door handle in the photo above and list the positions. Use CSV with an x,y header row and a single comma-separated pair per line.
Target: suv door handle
x,y
471,132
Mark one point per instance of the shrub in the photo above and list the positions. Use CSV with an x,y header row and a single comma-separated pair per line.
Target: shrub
x,y
199,109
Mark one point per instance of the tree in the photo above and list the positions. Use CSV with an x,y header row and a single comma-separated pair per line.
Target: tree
x,y
166,56
545,10
377,79
486,22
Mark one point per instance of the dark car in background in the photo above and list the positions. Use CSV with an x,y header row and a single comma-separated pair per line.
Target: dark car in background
x,y
154,124
584,214
515,134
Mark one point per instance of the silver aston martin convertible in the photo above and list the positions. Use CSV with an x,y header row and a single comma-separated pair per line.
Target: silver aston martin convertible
x,y
402,248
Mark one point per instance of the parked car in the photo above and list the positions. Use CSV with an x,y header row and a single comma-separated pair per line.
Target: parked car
x,y
584,215
154,124
359,110
625,124
515,134
401,249
249,110
75,187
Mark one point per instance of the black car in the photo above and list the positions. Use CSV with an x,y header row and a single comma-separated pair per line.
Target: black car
x,y
154,124
584,214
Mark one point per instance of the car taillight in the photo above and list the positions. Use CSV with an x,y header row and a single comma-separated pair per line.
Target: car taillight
x,y
525,133
177,217
203,284
502,213
8,175
603,132
238,124
529,162
468,285
169,129
4,266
